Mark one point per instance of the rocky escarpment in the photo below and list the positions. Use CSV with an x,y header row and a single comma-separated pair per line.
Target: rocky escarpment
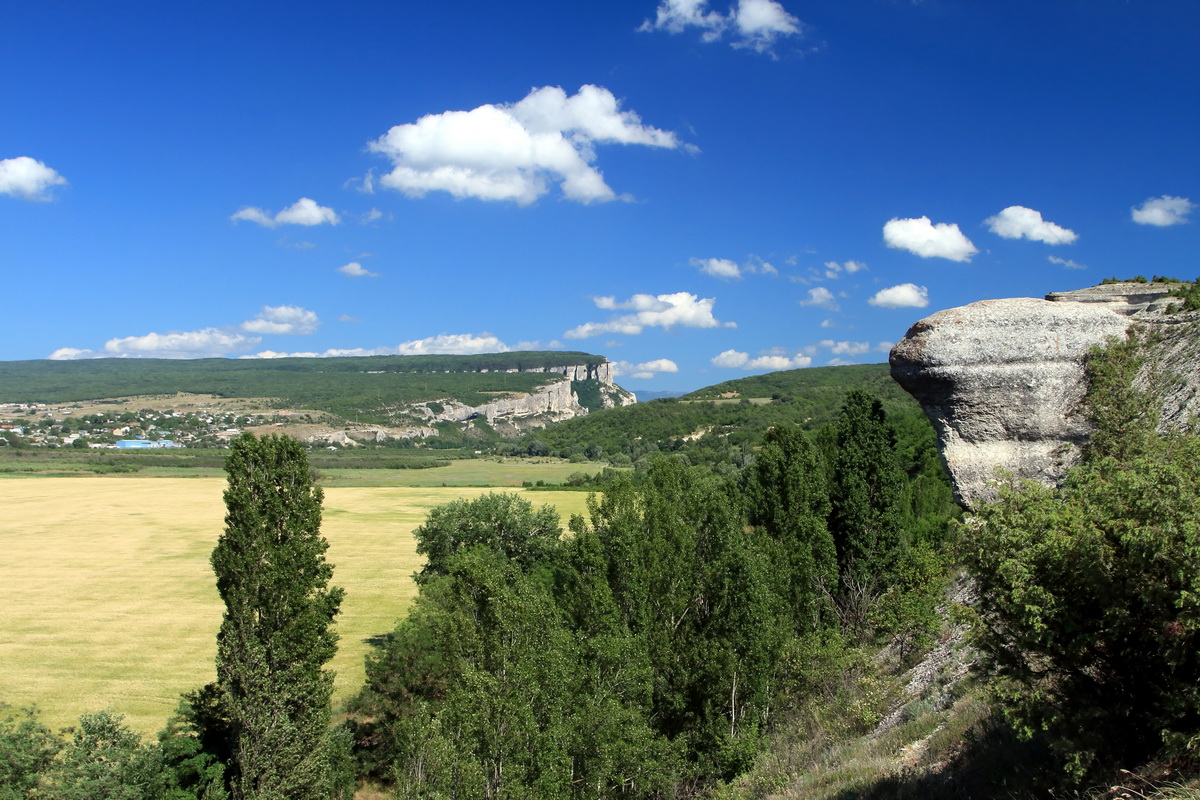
x,y
1003,380
554,402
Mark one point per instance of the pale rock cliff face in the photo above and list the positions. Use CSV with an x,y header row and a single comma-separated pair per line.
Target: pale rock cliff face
x,y
1003,380
553,402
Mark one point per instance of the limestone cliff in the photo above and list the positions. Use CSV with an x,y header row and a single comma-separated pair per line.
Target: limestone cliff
x,y
1002,380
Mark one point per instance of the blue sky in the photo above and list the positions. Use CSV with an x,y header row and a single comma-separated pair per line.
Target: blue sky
x,y
697,190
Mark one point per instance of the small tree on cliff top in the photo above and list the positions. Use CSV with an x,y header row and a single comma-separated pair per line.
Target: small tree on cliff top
x,y
275,637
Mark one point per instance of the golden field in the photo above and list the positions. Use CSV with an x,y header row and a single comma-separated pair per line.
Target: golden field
x,y
109,601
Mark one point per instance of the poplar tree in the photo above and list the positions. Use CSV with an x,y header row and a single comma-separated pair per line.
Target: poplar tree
x,y
867,504
275,637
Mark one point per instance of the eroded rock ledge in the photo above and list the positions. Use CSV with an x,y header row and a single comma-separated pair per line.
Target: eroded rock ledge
x,y
1003,380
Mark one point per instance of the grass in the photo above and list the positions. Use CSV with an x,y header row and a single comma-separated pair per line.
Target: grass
x,y
109,600
336,470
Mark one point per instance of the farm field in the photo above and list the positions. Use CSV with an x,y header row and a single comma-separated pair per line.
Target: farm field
x,y
109,600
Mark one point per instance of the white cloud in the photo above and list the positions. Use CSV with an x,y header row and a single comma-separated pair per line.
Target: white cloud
x,y
70,354
446,344
304,211
922,237
821,298
510,152
454,343
204,343
356,270
1163,211
833,269
348,318
761,22
1019,222
1065,262
663,311
283,320
905,295
718,267
28,178
737,360
754,24
372,215
647,369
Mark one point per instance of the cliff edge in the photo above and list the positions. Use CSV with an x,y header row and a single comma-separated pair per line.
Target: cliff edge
x,y
1003,380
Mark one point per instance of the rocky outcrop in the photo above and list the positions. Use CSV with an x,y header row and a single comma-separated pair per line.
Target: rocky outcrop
x,y
354,438
1003,380
553,402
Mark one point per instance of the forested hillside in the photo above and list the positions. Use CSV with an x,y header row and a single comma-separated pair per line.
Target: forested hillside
x,y
367,389
724,422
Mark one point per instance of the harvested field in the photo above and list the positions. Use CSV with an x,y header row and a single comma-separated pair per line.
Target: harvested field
x,y
109,600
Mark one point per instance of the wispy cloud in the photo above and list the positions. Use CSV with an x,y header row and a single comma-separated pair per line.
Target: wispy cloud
x,y
753,24
680,309
356,270
646,369
1163,211
304,211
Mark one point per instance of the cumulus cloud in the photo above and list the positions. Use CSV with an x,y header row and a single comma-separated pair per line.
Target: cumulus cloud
x,y
287,320
356,270
511,151
204,343
682,309
753,24
734,359
1019,222
28,178
304,211
444,344
845,348
646,369
1163,211
821,298
1065,262
904,295
718,267
927,240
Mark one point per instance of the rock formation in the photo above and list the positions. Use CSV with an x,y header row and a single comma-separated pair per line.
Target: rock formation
x,y
1002,380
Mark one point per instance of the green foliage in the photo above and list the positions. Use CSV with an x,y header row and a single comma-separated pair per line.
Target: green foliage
x,y
275,636
369,389
105,761
1089,610
505,523
1189,295
27,750
867,507
726,431
787,495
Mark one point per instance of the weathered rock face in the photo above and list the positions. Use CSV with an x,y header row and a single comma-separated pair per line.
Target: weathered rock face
x,y
554,402
1002,380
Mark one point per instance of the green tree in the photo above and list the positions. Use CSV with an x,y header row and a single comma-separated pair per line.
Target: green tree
x,y
1089,596
787,495
504,522
105,761
275,637
27,749
867,506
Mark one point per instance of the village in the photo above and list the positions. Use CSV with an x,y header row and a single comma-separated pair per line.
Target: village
x,y
88,427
